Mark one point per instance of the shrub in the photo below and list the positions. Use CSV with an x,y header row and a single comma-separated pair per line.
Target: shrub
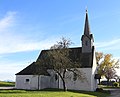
x,y
102,91
116,84
99,89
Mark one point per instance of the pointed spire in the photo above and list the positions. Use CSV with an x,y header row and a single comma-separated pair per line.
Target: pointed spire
x,y
86,27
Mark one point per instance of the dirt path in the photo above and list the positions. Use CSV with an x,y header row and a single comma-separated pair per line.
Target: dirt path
x,y
115,93
6,88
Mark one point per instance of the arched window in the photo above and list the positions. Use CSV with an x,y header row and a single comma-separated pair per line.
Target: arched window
x,y
74,76
56,76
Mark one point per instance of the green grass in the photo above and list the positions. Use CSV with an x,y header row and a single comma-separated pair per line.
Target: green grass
x,y
6,84
46,93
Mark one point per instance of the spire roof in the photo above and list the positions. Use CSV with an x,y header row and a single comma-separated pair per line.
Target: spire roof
x,y
86,27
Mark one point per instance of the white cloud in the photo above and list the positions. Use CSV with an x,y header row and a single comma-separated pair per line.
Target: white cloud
x,y
11,42
109,45
25,46
46,44
7,20
19,45
9,69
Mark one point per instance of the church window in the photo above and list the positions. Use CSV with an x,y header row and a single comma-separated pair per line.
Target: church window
x,y
56,76
27,80
86,43
74,76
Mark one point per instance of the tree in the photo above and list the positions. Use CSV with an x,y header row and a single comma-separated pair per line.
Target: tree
x,y
99,56
116,77
59,60
106,65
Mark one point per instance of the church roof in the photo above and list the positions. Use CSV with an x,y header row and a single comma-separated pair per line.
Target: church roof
x,y
33,69
76,55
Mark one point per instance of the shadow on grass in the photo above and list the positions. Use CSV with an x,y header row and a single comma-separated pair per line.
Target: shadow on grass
x,y
94,93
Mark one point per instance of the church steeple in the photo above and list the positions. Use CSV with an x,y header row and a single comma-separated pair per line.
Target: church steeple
x,y
87,37
87,27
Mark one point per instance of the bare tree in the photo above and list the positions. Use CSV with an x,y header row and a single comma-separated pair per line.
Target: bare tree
x,y
60,61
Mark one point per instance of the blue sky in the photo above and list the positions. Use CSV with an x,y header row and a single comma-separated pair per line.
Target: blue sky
x,y
28,26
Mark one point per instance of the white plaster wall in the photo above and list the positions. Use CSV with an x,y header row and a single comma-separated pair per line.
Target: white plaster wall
x,y
78,84
53,82
44,82
94,71
22,84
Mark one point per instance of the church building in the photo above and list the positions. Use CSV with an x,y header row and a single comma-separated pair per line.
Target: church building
x,y
41,76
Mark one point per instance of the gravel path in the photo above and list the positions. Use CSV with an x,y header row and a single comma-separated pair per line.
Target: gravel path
x,y
6,88
115,93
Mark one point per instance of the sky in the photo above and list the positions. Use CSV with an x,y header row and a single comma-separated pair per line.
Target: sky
x,y
29,26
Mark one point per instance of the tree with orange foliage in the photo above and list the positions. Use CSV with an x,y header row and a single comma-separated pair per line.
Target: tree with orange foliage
x,y
106,65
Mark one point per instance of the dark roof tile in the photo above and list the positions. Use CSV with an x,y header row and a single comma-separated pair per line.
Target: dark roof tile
x,y
76,55
33,69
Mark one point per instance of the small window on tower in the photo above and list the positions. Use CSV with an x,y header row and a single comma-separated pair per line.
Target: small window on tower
x,y
86,43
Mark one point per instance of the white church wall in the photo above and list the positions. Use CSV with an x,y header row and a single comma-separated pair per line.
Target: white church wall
x,y
53,81
26,82
94,71
32,84
79,84
44,82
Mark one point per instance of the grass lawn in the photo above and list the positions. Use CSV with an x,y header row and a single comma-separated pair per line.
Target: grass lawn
x,y
6,84
53,93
